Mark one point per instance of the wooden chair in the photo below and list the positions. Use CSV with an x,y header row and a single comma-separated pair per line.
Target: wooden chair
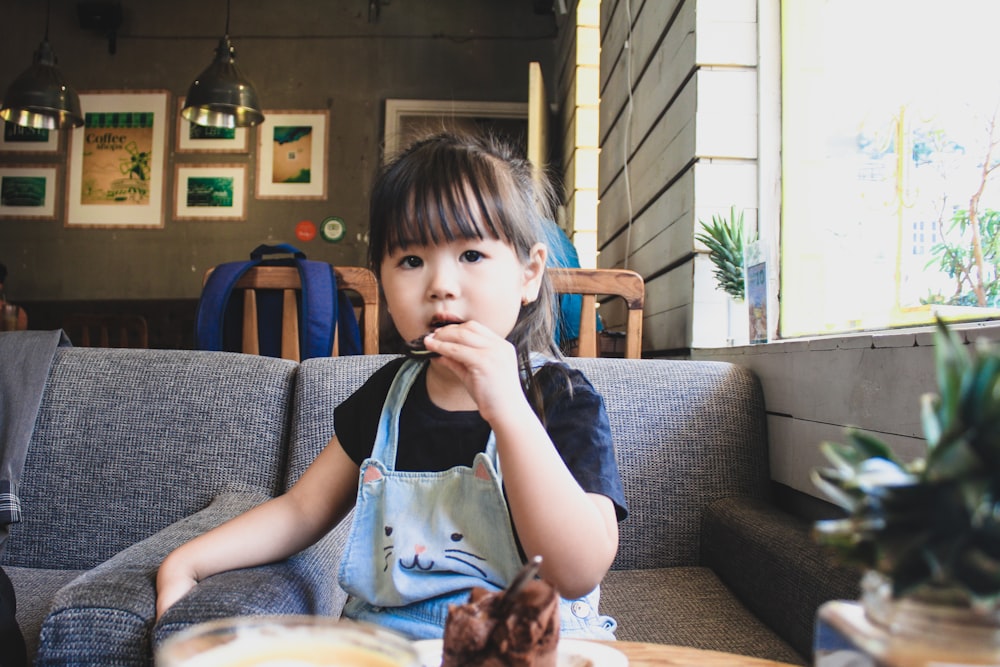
x,y
590,283
107,330
286,278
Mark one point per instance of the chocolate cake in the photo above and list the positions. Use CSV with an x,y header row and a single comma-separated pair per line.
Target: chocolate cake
x,y
493,631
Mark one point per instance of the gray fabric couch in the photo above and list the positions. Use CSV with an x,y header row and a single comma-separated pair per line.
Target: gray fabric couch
x,y
136,451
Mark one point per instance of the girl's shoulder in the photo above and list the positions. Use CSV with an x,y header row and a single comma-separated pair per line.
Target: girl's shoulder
x,y
379,381
556,377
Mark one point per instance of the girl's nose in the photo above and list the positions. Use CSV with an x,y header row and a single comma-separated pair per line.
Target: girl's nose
x,y
443,284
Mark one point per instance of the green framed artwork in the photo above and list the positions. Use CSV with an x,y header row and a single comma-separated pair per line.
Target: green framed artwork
x,y
210,192
292,155
193,138
28,191
117,160
15,138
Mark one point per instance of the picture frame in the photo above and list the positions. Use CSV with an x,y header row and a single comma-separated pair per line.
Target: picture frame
x,y
29,191
406,119
292,155
210,192
117,161
193,138
17,139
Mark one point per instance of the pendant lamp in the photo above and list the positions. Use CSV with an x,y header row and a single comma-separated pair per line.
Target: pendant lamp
x,y
40,97
222,96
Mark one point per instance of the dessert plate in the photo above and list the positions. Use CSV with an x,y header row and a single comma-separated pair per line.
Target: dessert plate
x,y
572,653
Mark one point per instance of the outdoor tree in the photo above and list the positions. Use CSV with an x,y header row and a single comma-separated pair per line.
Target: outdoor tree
x,y
970,248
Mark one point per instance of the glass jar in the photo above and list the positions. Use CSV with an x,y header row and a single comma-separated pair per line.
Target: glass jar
x,y
298,640
915,632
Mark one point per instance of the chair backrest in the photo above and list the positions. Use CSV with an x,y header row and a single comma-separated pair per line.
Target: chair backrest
x,y
88,330
286,278
591,283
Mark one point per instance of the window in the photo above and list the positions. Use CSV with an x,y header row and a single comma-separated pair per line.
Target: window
x,y
890,155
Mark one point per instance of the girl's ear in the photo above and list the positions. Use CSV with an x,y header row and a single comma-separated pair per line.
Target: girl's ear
x,y
534,270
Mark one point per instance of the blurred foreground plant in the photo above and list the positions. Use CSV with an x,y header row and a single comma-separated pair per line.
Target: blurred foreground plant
x,y
932,526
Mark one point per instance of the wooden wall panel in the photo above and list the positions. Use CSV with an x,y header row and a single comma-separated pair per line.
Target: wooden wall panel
x,y
667,331
727,32
660,160
727,113
659,68
690,142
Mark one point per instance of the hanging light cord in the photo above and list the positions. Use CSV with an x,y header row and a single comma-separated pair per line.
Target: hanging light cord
x,y
48,12
227,17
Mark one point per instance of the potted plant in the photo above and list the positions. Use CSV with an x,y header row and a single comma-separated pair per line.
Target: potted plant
x,y
927,531
724,240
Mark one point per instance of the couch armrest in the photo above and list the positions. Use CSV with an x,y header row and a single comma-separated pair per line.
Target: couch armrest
x,y
105,615
306,583
769,560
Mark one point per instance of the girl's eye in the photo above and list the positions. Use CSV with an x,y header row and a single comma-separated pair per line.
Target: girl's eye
x,y
472,255
411,261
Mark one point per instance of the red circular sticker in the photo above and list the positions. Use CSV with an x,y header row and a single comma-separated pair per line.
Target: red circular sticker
x,y
305,231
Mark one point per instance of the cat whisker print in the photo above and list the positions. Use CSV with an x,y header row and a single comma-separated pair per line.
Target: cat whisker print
x,y
461,556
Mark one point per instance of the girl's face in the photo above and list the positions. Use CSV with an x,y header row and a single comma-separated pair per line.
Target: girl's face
x,y
466,279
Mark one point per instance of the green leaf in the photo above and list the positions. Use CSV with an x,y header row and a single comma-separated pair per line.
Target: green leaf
x,y
956,460
952,362
929,405
871,447
830,484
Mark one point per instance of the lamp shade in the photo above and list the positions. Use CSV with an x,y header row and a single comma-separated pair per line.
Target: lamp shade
x,y
221,96
40,96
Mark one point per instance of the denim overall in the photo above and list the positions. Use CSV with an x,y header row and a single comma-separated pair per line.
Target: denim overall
x,y
420,540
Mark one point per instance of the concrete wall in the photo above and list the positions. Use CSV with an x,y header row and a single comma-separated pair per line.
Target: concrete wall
x,y
303,55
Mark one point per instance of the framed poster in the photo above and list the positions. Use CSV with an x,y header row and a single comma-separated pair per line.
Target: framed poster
x,y
291,155
28,191
407,119
193,138
210,192
16,138
117,160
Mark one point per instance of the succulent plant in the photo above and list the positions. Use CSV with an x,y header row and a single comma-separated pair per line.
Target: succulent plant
x,y
931,525
724,239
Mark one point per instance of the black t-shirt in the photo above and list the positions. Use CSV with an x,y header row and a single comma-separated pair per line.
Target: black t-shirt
x,y
432,439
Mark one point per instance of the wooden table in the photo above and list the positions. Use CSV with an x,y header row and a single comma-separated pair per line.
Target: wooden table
x,y
642,654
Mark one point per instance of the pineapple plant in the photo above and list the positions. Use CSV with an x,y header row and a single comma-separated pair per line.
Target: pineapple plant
x,y
930,526
724,239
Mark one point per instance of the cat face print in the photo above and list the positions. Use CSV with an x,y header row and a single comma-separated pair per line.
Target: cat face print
x,y
453,526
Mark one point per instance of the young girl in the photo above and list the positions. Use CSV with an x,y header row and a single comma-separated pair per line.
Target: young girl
x,y
462,463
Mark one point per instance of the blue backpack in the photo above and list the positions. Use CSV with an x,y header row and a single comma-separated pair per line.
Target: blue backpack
x,y
322,308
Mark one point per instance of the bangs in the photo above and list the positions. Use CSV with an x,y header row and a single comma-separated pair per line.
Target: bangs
x,y
434,216
455,196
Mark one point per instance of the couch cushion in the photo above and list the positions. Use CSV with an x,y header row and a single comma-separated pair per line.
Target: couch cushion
x,y
753,546
129,441
688,606
105,615
34,590
323,384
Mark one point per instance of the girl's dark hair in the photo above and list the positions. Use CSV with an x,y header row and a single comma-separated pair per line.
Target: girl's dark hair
x,y
451,186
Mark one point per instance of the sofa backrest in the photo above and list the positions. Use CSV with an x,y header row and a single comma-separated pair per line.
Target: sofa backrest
x,y
129,441
323,383
686,434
